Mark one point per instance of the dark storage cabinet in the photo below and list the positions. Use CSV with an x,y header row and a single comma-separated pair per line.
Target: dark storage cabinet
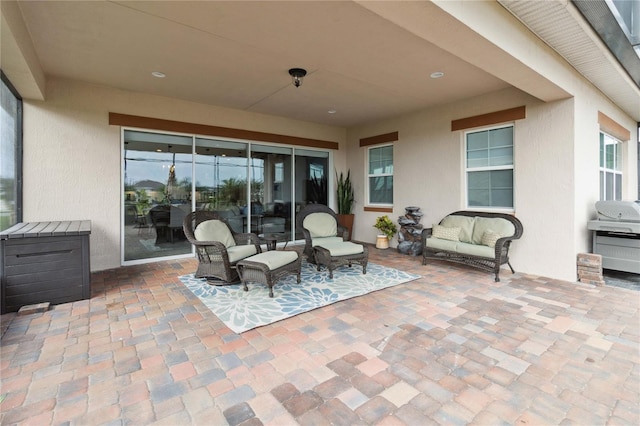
x,y
44,262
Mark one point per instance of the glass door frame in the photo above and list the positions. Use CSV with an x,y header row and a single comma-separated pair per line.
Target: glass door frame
x,y
194,137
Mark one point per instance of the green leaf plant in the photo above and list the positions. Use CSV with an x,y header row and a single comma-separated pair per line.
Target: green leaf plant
x,y
345,193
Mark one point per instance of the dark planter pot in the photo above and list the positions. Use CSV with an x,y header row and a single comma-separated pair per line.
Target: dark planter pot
x,y
346,220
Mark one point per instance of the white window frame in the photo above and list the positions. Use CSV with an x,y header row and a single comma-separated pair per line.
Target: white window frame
x,y
468,170
604,140
370,175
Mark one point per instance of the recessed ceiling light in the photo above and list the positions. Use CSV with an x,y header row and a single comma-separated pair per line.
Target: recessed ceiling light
x,y
158,74
437,74
332,111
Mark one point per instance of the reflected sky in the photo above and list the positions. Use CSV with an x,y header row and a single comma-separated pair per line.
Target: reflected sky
x,y
211,170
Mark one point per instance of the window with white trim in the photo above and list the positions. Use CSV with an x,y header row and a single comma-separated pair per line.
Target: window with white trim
x,y
610,167
489,168
380,175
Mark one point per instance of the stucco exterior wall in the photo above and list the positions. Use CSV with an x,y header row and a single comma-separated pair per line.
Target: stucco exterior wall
x,y
72,163
556,172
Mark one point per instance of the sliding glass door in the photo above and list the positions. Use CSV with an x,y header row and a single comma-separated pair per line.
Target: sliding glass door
x,y
271,190
256,187
311,177
221,180
157,194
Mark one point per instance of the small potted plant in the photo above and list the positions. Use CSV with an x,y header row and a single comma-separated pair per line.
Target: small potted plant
x,y
387,229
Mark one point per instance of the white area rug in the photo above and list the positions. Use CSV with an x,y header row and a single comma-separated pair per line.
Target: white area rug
x,y
243,310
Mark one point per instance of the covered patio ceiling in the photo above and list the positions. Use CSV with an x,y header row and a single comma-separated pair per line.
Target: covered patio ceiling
x,y
366,61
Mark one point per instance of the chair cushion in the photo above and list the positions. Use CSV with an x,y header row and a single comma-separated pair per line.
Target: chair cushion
x,y
214,230
274,259
465,223
438,244
475,250
494,224
320,225
489,238
342,248
237,253
444,233
325,240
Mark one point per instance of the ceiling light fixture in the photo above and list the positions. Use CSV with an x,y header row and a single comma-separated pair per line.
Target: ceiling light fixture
x,y
332,111
437,74
297,74
158,74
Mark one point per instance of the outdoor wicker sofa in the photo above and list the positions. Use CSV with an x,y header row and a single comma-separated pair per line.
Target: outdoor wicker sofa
x,y
474,238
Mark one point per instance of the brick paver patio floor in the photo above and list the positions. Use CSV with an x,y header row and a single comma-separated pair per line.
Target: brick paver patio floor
x,y
450,348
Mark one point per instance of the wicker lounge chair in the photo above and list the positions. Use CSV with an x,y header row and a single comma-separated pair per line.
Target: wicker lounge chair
x,y
341,233
325,243
218,258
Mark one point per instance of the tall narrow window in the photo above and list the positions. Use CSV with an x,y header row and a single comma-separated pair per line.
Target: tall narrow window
x,y
11,156
380,175
489,168
610,168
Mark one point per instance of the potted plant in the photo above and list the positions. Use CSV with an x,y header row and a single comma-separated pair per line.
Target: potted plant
x,y
345,201
387,229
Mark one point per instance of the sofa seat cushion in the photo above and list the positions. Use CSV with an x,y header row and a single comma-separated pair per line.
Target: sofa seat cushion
x,y
342,248
496,224
460,247
325,240
476,250
214,230
440,244
321,225
237,253
465,223
274,259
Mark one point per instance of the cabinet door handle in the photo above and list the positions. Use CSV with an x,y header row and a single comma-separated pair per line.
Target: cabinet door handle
x,y
45,252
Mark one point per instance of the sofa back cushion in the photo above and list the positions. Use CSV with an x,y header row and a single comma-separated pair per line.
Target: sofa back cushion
x,y
320,225
492,224
465,223
444,233
214,230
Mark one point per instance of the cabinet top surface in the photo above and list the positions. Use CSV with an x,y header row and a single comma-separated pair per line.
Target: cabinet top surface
x,y
47,229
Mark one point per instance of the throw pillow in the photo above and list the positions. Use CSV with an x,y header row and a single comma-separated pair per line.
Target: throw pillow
x,y
489,238
444,233
214,230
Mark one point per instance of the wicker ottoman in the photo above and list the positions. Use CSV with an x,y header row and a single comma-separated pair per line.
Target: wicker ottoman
x,y
268,267
335,254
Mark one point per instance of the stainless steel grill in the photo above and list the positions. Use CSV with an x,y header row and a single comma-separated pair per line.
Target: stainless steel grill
x,y
616,235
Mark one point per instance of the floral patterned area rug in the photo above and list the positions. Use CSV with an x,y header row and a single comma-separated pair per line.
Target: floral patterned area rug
x,y
244,310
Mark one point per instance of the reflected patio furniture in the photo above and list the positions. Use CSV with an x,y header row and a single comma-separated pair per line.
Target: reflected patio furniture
x,y
218,247
160,218
176,220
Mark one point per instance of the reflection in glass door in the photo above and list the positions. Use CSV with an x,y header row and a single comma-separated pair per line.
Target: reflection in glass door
x,y
157,194
311,177
271,189
221,180
260,192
